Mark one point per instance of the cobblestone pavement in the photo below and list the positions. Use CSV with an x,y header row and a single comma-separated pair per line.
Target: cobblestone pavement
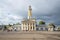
x,y
32,35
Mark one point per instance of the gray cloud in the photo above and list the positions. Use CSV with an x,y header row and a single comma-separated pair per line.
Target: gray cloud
x,y
47,10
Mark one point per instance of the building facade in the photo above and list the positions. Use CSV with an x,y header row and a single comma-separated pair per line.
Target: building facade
x,y
17,27
41,28
51,27
29,24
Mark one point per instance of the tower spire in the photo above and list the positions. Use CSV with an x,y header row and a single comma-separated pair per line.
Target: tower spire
x,y
29,12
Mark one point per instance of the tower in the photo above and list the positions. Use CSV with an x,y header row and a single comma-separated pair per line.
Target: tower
x,y
29,12
30,23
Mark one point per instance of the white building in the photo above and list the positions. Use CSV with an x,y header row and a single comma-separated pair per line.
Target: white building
x,y
41,28
17,27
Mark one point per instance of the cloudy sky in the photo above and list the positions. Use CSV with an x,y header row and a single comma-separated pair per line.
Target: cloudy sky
x,y
13,11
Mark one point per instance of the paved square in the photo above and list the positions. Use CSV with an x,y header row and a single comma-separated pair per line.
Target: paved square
x,y
33,35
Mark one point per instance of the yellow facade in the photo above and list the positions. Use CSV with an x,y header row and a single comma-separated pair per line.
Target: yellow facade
x,y
29,25
29,12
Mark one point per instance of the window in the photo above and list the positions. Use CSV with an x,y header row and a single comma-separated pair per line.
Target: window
x,y
42,29
37,28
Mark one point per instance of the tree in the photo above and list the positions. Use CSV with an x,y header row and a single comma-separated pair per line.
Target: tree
x,y
51,24
41,23
58,28
10,25
5,27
